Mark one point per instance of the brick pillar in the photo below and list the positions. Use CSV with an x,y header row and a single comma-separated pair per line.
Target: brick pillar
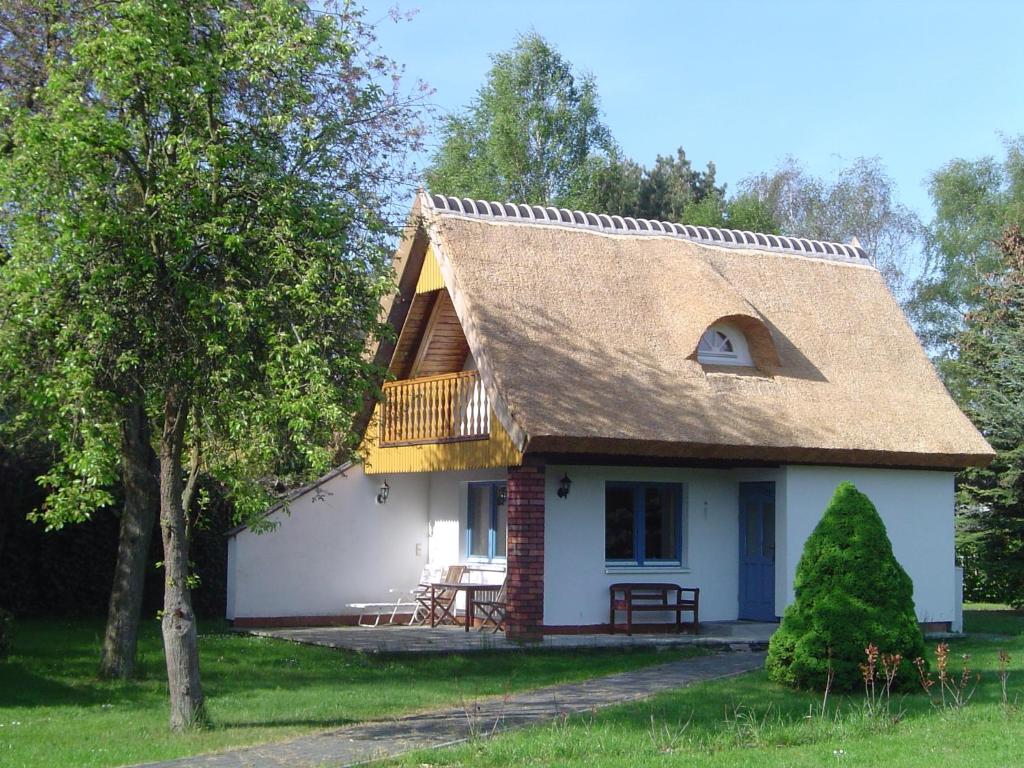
x,y
525,609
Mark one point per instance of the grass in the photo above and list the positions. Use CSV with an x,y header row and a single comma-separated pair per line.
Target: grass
x,y
747,721
992,618
54,712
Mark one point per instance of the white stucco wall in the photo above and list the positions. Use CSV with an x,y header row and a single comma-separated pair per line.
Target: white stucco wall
x,y
576,578
916,506
335,546
338,546
917,509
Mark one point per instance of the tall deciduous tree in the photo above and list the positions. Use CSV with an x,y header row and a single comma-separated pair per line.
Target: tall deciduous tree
x,y
193,212
34,34
533,133
860,202
975,201
990,372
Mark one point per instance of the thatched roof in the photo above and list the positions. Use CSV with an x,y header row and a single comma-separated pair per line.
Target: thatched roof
x,y
585,331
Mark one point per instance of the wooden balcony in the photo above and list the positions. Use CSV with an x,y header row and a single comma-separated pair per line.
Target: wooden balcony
x,y
435,409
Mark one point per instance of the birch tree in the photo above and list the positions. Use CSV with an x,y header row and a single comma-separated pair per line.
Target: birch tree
x,y
975,201
859,202
533,133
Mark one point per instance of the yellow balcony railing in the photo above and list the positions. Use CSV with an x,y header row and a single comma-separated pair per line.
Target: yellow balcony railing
x,y
435,409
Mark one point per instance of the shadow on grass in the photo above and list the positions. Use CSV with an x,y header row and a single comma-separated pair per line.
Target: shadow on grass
x,y
20,687
255,663
1005,621
55,663
257,683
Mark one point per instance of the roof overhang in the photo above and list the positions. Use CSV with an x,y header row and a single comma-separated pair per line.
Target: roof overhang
x,y
603,450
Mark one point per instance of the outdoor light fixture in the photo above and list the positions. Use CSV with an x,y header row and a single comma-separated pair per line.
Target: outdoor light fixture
x,y
563,486
382,494
502,494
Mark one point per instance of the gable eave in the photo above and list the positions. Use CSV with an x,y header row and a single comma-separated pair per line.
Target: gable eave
x,y
407,263
463,309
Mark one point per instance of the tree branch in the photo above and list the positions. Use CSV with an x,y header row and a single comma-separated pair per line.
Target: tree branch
x,y
140,174
193,478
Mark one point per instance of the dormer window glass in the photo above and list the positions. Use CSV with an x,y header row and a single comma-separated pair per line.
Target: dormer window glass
x,y
723,344
716,344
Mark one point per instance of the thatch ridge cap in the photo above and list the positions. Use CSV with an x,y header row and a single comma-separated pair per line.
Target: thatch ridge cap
x,y
619,225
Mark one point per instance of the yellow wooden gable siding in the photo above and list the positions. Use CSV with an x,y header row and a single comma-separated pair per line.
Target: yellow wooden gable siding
x,y
494,451
430,274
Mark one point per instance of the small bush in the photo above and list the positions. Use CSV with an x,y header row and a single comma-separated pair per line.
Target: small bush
x,y
6,630
850,593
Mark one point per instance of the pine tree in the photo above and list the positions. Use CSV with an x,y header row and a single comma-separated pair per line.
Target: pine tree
x,y
991,369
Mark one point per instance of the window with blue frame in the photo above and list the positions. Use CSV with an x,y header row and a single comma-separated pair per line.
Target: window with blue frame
x,y
643,523
487,520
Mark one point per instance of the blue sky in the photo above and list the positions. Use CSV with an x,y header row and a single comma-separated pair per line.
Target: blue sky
x,y
747,83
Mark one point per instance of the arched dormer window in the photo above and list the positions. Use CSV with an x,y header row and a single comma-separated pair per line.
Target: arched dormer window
x,y
723,344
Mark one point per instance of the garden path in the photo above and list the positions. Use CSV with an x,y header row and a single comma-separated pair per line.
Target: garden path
x,y
356,744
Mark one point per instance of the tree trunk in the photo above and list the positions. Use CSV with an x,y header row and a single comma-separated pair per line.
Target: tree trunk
x,y
139,469
178,622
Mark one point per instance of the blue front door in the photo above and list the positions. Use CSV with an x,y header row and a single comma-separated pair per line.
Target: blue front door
x,y
757,551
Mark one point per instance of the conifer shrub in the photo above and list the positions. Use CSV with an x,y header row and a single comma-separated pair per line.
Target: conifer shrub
x,y
850,591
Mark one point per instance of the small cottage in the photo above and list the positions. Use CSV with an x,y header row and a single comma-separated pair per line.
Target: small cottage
x,y
578,399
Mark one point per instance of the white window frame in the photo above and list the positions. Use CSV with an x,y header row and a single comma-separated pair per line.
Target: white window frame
x,y
740,354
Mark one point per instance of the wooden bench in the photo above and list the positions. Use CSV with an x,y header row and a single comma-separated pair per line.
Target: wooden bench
x,y
653,597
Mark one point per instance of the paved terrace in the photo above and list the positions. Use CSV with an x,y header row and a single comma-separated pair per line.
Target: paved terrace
x,y
734,635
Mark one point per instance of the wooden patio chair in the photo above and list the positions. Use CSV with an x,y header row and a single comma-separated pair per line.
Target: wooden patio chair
x,y
444,601
492,610
420,595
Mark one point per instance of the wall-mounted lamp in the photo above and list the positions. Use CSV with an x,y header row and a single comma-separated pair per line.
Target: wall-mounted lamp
x,y
563,486
382,494
502,495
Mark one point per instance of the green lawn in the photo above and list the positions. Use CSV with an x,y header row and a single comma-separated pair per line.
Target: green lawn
x,y
990,618
53,711
747,721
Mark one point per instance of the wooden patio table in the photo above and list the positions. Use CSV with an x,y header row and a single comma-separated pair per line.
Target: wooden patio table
x,y
470,590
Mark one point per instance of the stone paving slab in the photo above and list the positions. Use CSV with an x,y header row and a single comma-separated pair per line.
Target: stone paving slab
x,y
401,639
356,744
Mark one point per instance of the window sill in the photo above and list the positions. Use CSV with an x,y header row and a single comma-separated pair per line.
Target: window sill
x,y
670,568
498,563
718,371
